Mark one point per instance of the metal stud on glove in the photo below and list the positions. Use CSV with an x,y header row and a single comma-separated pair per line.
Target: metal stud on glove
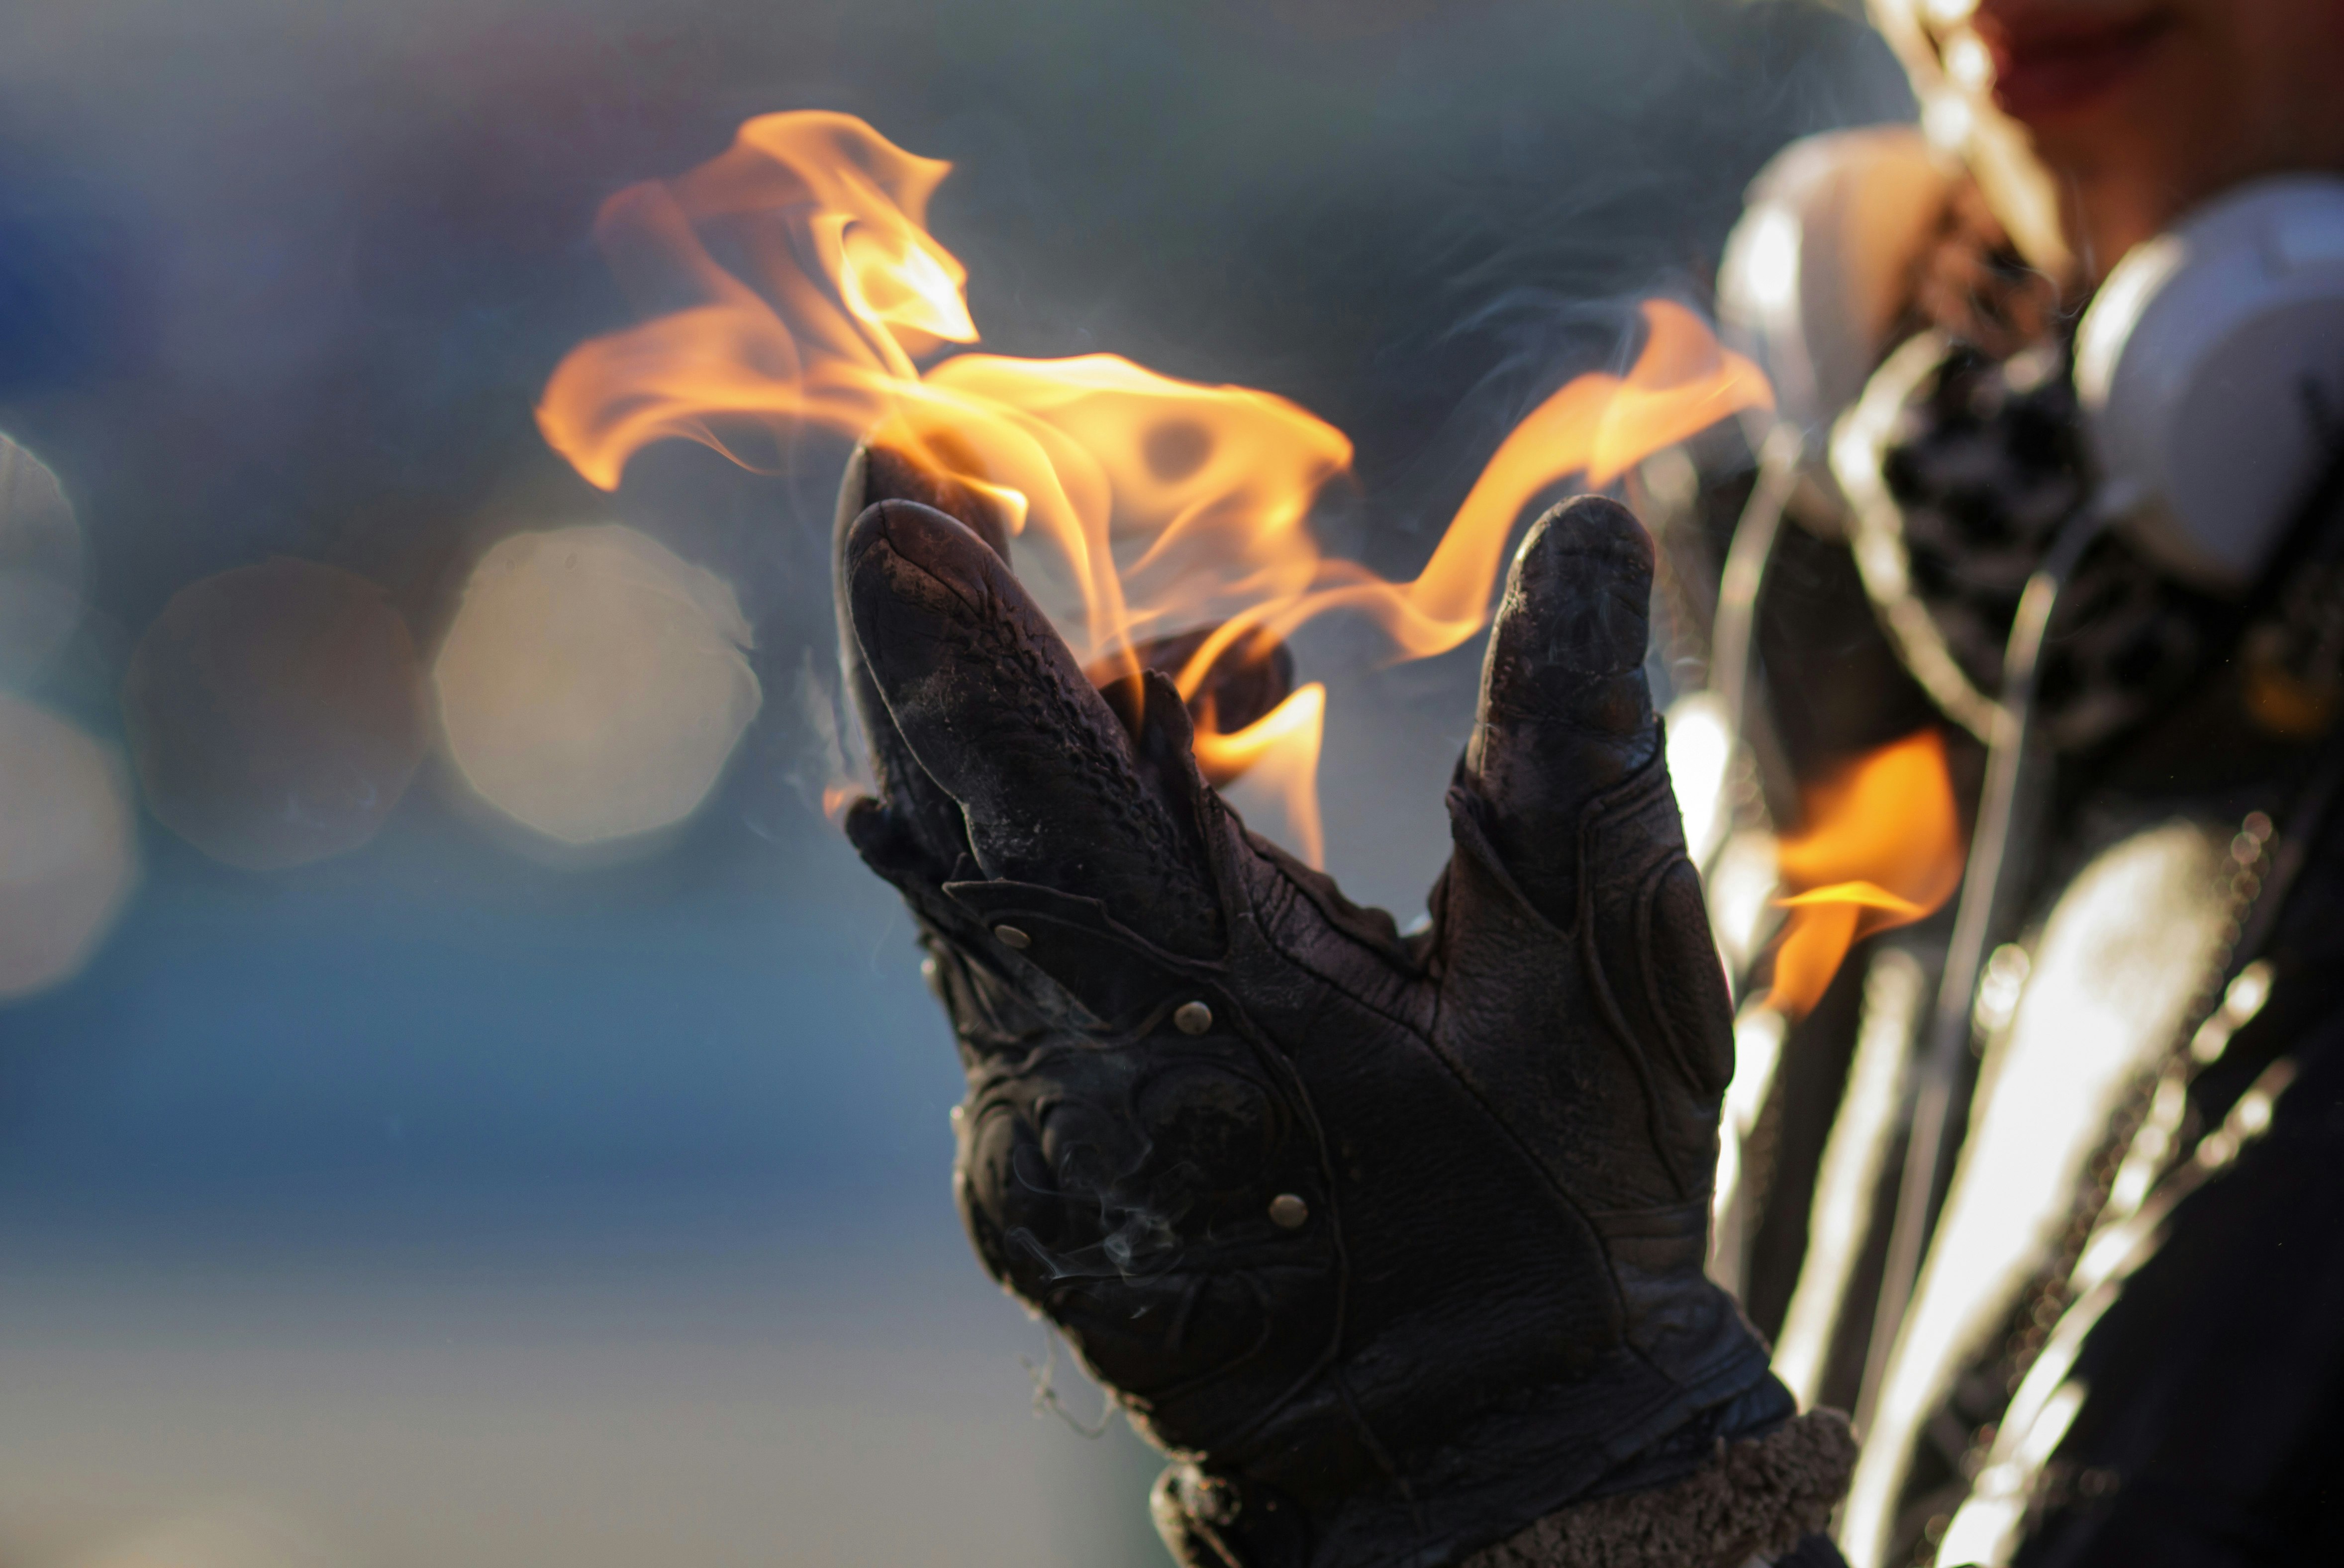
x,y
1395,1243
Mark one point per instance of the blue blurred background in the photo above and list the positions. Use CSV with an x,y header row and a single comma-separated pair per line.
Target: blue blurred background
x,y
449,1201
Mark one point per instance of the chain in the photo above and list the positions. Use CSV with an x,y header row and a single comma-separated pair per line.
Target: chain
x,y
2144,1131
2142,1144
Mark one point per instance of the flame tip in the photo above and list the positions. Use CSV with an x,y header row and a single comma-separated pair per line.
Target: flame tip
x,y
1146,501
1881,848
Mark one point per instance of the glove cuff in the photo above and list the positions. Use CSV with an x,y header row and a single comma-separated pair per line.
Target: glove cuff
x,y
1755,1499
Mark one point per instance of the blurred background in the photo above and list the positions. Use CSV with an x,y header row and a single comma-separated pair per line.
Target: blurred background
x,y
544,1158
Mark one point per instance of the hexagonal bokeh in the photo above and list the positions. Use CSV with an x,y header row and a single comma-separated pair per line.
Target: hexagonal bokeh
x,y
276,713
593,682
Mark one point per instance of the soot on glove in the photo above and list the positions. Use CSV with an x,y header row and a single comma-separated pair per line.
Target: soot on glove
x,y
1395,1244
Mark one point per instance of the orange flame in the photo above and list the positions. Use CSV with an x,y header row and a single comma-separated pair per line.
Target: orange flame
x,y
1280,752
1143,506
1881,848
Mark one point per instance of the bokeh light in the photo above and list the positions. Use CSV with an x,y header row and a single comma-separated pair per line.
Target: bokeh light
x,y
593,682
40,566
276,713
68,855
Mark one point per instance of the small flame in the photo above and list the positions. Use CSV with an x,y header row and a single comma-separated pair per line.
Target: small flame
x,y
1144,506
1280,751
1881,848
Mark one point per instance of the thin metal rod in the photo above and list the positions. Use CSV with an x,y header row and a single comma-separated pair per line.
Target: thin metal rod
x,y
1733,633
1974,929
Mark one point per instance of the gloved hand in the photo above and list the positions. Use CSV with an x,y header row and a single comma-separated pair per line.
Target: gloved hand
x,y
1395,1243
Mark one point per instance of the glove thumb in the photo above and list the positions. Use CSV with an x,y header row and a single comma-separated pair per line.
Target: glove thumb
x,y
1565,713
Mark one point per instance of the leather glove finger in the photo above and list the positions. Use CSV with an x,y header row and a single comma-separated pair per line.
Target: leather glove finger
x,y
993,706
1565,714
1573,799
911,810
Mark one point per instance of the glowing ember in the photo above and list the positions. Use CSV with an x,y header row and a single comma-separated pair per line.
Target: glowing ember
x,y
1881,848
1142,507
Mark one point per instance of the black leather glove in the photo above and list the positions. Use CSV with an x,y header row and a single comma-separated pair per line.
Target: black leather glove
x,y
1396,1243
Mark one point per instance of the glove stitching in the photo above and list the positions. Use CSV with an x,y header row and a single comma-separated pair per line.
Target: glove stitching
x,y
1110,779
1329,1362
1616,1025
1397,961
1571,1206
1266,927
1681,1055
1187,1386
1619,804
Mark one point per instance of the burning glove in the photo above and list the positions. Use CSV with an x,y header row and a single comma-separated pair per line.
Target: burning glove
x,y
1395,1243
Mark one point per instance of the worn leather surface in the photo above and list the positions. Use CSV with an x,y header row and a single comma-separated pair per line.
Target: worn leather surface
x,y
1501,1131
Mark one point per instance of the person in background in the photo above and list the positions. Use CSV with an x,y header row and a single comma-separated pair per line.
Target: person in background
x,y
2071,335
1401,1244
